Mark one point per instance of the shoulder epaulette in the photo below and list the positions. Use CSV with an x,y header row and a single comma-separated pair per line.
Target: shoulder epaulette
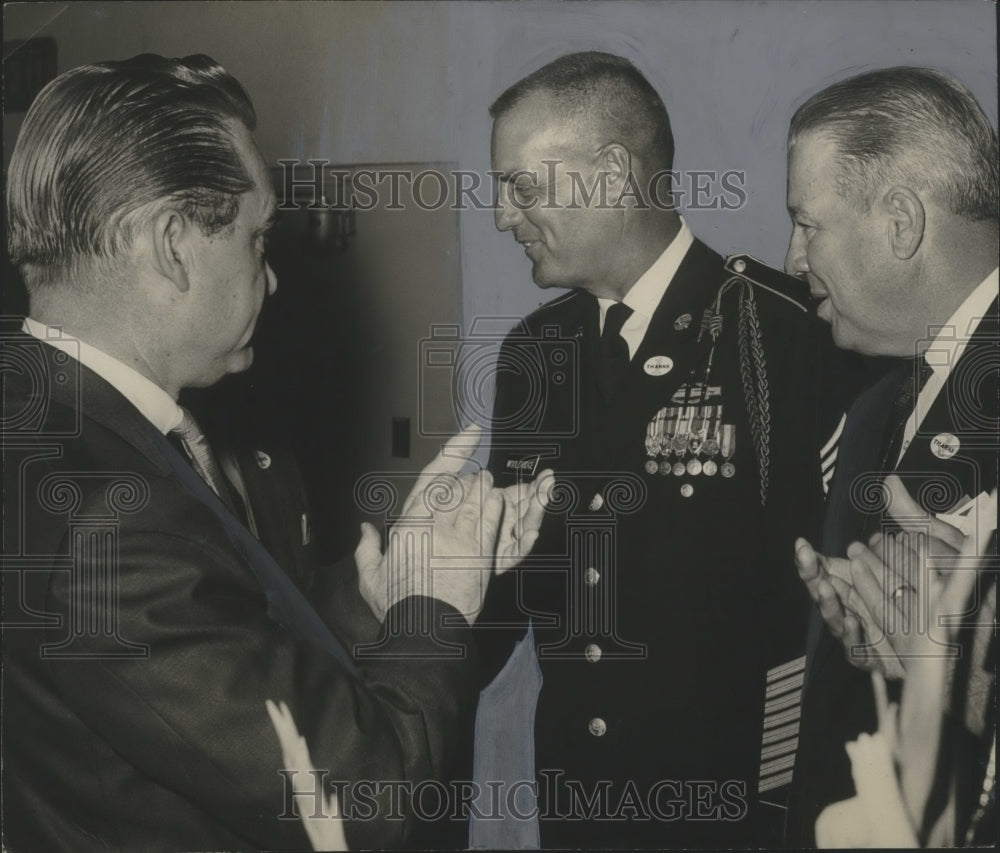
x,y
775,281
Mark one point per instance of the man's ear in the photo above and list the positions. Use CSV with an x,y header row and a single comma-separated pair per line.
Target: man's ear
x,y
171,247
617,161
906,221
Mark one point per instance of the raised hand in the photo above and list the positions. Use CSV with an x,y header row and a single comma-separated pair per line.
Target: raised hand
x,y
444,542
523,510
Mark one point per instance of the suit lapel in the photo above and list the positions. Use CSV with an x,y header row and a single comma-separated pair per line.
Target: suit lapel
x,y
98,401
955,444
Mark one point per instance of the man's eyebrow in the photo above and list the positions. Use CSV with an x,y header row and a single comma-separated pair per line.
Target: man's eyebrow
x,y
507,177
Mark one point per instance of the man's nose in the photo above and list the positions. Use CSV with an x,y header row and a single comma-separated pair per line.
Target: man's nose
x,y
795,258
505,213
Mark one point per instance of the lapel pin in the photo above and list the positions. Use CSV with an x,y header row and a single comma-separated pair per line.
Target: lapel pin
x,y
263,460
945,445
682,322
658,365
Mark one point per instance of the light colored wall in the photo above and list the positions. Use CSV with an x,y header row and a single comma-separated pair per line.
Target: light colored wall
x,y
411,82
351,82
731,74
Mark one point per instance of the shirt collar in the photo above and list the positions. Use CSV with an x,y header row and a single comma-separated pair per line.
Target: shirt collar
x,y
645,295
155,404
951,339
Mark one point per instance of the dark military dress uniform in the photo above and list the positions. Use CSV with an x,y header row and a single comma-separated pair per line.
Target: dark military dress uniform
x,y
662,588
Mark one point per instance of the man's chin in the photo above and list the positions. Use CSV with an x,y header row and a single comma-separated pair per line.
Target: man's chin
x,y
240,361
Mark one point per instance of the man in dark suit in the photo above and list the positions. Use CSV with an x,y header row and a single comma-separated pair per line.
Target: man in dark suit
x,y
145,626
676,396
893,192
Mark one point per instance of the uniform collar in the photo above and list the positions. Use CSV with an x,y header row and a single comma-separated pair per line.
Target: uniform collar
x,y
646,294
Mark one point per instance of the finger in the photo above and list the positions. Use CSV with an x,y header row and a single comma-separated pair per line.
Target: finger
x,y
369,550
508,519
867,572
836,567
456,451
881,697
538,499
908,514
492,510
808,565
467,518
273,713
853,639
830,607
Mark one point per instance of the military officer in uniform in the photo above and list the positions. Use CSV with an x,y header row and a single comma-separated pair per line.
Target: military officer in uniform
x,y
675,395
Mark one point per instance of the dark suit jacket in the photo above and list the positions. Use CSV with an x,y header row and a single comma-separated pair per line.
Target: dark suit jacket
x,y
144,628
838,700
697,594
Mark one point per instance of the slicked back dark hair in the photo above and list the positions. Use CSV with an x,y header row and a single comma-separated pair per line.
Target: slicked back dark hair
x,y
102,142
912,126
602,90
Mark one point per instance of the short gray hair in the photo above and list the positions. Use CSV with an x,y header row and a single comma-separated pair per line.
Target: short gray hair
x,y
912,126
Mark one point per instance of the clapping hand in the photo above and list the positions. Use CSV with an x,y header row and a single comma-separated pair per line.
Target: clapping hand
x,y
524,508
453,531
870,599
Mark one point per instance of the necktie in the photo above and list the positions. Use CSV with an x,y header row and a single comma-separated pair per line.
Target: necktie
x,y
614,350
199,452
915,373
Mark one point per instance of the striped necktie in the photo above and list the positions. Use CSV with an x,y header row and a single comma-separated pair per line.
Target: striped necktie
x,y
199,452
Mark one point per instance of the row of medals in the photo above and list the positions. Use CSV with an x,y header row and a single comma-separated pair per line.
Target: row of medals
x,y
688,439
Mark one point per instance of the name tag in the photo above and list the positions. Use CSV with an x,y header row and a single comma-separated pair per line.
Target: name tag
x,y
527,465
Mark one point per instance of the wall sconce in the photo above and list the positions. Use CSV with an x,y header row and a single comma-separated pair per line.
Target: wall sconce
x,y
306,190
330,226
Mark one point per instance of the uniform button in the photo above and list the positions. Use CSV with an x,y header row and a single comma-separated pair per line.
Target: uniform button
x,y
592,576
596,502
597,727
592,653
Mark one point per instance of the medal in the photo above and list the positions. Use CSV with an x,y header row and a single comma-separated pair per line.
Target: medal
x,y
728,448
651,466
687,490
664,468
694,467
679,469
654,433
667,436
709,468
711,446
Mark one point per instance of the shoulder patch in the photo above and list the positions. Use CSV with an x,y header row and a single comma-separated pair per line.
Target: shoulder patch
x,y
775,281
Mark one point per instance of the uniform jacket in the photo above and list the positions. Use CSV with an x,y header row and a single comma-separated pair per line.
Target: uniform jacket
x,y
660,596
838,699
144,628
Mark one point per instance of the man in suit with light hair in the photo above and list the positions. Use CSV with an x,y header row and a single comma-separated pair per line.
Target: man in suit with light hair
x,y
145,626
893,194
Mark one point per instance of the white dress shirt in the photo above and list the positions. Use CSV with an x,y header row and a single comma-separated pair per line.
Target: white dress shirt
x,y
644,296
155,404
946,348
